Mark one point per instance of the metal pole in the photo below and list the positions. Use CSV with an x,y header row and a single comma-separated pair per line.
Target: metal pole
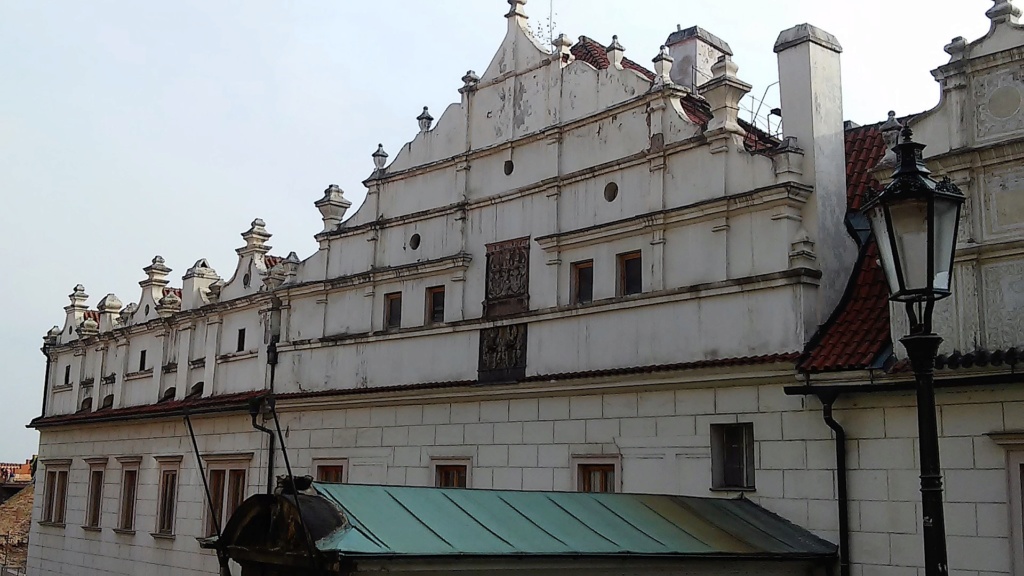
x,y
921,350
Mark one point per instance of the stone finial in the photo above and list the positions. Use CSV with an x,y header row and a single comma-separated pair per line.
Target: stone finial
x,y
201,269
425,120
615,52
469,82
78,297
1002,12
333,205
88,327
127,312
156,273
168,305
255,238
723,93
663,67
517,9
890,135
380,157
563,48
110,304
956,48
52,336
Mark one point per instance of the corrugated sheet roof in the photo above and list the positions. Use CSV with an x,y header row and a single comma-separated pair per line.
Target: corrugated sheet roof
x,y
411,521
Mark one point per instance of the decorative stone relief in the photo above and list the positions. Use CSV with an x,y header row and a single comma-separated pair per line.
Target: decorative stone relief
x,y
1004,200
1003,304
502,353
999,97
508,277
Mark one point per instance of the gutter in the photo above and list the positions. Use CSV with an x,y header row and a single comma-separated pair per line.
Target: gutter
x,y
239,406
975,381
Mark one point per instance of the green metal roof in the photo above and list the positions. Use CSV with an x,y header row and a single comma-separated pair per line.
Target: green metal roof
x,y
410,521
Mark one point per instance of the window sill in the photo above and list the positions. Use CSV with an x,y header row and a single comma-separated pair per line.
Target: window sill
x,y
139,374
51,524
733,489
161,536
124,531
235,356
92,528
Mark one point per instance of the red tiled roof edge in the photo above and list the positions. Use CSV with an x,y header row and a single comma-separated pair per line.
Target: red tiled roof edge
x,y
225,403
594,53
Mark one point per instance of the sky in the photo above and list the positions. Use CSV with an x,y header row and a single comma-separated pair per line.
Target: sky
x,y
130,129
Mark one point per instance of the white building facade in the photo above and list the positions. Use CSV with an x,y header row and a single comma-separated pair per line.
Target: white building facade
x,y
586,276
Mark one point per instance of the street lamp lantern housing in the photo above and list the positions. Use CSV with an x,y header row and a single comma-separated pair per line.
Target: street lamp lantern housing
x,y
915,220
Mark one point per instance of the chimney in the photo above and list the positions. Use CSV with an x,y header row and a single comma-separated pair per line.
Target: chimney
x,y
196,283
694,51
812,111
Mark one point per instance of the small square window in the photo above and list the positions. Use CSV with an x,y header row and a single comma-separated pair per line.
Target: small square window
x,y
435,305
241,340
451,475
595,478
142,360
732,455
630,274
330,473
393,310
582,282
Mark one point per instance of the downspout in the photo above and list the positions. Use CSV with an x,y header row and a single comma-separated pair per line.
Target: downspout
x,y
254,412
46,378
843,500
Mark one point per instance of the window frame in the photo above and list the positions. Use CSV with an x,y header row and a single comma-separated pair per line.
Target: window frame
x,y
621,279
574,281
437,464
67,375
94,500
330,462
720,453
389,299
55,491
428,317
240,343
1013,443
142,361
579,461
226,465
125,513
167,465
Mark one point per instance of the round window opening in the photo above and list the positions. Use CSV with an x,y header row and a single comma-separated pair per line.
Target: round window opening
x,y
611,191
414,242
509,167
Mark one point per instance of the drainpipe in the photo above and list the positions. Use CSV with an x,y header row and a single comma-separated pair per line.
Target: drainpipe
x,y
46,378
254,412
843,500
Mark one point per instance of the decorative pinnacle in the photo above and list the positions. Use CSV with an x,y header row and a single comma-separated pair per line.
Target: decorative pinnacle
x,y
380,157
425,120
516,8
615,45
907,133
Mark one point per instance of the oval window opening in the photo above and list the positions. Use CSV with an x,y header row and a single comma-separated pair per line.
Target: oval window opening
x,y
146,311
611,191
414,242
509,167
245,280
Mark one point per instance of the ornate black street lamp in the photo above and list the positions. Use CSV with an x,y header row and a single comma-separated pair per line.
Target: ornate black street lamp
x,y
915,221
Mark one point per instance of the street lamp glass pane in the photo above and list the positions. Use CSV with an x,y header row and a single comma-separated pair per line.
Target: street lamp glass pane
x,y
910,226
885,252
946,214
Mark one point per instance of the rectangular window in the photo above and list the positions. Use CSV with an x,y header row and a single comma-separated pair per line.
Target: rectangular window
x,y
241,340
435,305
129,489
732,455
582,282
330,473
227,489
168,497
67,375
94,505
630,274
142,360
451,475
55,494
596,478
393,310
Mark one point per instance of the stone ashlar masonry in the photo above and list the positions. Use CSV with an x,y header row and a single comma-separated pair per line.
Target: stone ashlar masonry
x,y
530,444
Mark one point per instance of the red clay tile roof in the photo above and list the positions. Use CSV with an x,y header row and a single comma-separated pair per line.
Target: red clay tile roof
x,y
223,403
176,291
856,335
93,315
272,261
592,52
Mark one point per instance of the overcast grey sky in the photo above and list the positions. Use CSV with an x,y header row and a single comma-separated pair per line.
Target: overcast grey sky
x,y
130,129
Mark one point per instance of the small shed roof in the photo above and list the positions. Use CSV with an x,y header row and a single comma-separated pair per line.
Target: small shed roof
x,y
412,521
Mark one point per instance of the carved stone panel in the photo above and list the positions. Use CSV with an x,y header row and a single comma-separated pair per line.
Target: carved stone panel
x,y
508,278
1003,294
1004,201
998,97
502,353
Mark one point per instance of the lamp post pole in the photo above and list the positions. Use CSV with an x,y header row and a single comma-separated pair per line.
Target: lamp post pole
x,y
915,221
921,351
